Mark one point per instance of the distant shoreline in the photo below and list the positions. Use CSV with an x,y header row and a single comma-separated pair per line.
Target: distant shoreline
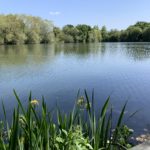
x,y
23,29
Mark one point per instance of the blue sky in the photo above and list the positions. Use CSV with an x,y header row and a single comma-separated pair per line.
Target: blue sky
x,y
112,13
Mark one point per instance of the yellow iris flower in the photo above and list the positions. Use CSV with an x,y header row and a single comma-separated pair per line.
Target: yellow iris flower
x,y
34,102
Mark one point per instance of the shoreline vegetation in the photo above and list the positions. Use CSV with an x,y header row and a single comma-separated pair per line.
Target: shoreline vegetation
x,y
24,29
34,127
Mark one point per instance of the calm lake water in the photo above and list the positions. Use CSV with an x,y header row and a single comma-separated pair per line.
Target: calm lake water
x,y
121,70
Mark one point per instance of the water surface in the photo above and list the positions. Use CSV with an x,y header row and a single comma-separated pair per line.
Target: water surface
x,y
57,71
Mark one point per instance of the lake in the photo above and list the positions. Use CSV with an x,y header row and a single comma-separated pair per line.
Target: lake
x,y
57,71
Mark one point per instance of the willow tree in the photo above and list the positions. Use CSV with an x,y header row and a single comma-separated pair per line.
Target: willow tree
x,y
16,29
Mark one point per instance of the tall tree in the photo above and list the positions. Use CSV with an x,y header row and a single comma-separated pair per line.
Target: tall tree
x,y
83,32
104,33
114,36
134,34
146,35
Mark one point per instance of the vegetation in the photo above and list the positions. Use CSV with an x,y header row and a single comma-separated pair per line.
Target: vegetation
x,y
80,33
78,130
20,29
140,32
135,33
23,29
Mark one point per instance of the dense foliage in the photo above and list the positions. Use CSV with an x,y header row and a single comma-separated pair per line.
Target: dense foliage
x,y
140,32
23,29
19,29
33,127
80,33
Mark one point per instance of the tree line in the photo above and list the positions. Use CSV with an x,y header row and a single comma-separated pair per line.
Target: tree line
x,y
19,29
23,29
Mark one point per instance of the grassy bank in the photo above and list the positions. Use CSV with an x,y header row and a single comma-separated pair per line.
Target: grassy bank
x,y
81,129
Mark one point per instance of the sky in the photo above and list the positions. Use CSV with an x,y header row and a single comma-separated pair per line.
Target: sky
x,y
114,14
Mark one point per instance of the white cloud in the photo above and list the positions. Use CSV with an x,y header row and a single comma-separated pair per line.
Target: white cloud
x,y
54,13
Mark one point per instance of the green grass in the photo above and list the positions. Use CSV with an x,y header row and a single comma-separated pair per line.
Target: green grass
x,y
80,129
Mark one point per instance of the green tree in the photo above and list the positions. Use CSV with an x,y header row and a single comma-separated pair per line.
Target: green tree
x,y
104,33
142,25
83,35
46,31
95,35
71,31
32,37
134,34
123,36
16,29
58,34
146,34
18,38
68,38
114,36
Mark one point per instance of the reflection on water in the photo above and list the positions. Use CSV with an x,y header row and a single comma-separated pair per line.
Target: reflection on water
x,y
13,54
58,70
20,54
138,51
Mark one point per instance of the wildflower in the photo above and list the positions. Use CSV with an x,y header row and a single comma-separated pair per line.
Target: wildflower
x,y
80,101
87,105
34,102
131,130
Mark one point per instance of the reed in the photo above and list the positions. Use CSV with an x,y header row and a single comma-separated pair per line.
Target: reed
x,y
81,129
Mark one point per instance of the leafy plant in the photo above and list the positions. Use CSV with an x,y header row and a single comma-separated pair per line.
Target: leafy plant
x,y
81,129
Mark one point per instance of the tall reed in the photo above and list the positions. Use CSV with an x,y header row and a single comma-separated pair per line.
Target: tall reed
x,y
81,129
